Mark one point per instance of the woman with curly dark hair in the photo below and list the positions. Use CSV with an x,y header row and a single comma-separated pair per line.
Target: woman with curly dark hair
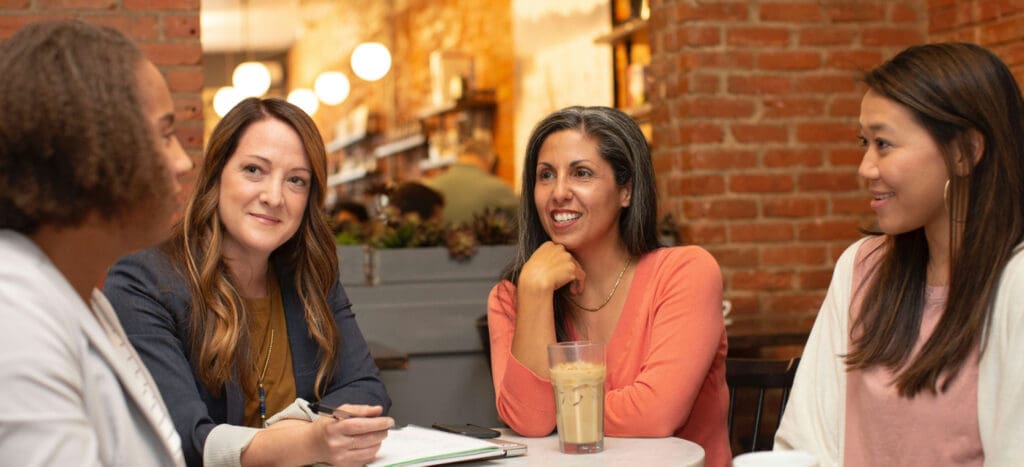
x,y
90,170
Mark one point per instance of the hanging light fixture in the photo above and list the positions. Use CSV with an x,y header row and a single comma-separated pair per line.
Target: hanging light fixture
x,y
252,79
371,61
305,99
226,99
332,87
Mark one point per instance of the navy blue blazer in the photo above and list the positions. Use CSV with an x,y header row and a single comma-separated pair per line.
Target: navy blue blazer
x,y
152,301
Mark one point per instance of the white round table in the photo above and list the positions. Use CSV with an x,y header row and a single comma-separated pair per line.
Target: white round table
x,y
617,452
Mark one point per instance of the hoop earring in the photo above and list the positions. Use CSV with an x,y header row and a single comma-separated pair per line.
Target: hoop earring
x,y
945,194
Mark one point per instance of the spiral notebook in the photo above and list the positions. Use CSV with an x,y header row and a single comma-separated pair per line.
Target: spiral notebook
x,y
418,446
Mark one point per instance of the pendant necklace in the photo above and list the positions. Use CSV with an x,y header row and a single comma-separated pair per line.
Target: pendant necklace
x,y
610,294
263,393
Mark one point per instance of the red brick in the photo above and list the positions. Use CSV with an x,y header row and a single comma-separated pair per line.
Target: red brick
x,y
759,84
844,107
188,108
14,4
854,59
190,135
11,24
723,59
827,36
825,132
762,280
788,60
76,4
744,304
903,13
781,107
902,37
757,36
717,11
826,84
793,255
184,79
740,183
718,159
793,303
162,4
734,256
793,158
851,157
942,20
760,232
181,26
700,133
703,36
697,184
828,230
817,279
703,233
136,27
182,53
855,12
1003,31
790,12
828,181
729,208
1012,54
934,4
794,206
859,205
717,107
705,84
759,133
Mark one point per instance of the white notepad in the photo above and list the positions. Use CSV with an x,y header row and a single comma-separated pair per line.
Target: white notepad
x,y
417,446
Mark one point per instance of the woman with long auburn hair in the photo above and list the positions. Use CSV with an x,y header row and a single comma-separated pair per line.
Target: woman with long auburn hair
x,y
915,357
240,315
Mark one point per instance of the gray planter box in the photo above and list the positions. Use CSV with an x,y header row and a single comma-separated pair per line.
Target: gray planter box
x,y
433,264
352,264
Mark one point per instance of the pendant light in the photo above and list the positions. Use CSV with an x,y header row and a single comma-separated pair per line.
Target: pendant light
x,y
371,61
332,87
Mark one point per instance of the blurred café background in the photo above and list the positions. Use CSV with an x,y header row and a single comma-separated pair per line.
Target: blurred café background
x,y
750,108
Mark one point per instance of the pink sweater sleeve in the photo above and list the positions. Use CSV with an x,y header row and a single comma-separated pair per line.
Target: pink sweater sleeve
x,y
678,333
524,401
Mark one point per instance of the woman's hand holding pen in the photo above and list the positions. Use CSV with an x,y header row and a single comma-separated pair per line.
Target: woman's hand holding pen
x,y
351,435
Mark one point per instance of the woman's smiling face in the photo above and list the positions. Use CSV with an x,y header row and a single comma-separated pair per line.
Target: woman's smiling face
x,y
577,198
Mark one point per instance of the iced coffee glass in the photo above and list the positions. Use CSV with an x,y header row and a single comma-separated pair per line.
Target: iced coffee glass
x,y
577,374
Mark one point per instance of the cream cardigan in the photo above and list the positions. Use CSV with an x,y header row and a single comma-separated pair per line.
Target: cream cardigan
x,y
814,420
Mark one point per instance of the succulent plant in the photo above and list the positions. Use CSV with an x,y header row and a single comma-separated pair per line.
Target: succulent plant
x,y
461,243
494,226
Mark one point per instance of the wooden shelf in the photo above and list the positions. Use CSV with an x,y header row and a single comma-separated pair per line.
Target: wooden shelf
x,y
641,113
345,141
623,31
346,176
399,145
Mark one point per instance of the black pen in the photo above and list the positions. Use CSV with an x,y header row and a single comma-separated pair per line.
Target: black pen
x,y
332,411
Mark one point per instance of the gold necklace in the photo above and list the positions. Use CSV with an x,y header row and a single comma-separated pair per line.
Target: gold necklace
x,y
610,294
263,393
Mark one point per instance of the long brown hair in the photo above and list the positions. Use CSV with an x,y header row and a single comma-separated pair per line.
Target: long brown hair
x,y
956,91
217,323
622,144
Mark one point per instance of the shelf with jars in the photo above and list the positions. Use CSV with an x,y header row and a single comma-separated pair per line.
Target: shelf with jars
x,y
350,154
631,59
446,127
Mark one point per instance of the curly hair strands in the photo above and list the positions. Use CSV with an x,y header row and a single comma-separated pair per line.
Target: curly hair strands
x,y
73,137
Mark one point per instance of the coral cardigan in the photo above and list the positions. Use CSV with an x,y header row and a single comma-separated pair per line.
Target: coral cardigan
x,y
666,358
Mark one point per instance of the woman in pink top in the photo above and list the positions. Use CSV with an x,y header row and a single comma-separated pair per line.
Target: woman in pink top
x,y
915,358
590,267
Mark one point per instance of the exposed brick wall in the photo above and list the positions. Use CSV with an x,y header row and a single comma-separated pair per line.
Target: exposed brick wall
x,y
412,29
166,30
996,24
755,112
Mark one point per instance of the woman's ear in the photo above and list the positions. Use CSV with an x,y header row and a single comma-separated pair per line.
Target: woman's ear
x,y
626,195
976,145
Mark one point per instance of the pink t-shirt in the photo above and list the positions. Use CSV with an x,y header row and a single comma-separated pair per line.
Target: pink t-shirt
x,y
666,358
885,429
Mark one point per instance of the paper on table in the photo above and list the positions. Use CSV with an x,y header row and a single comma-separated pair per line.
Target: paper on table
x,y
418,446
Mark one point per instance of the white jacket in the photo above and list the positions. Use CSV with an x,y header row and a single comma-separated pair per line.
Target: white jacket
x,y
815,415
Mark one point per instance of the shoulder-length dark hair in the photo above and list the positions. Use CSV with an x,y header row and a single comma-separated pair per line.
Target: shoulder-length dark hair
x,y
218,321
956,91
621,144
73,137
